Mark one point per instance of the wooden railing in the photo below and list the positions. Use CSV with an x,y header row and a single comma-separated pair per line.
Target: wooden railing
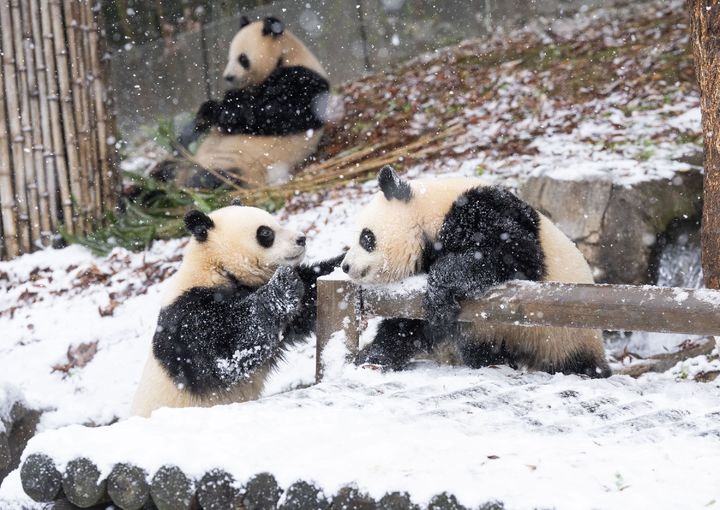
x,y
343,306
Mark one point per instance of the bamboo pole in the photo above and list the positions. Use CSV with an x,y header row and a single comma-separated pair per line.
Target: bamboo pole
x,y
105,168
86,50
16,135
36,131
50,183
73,39
115,177
56,126
8,208
68,118
26,123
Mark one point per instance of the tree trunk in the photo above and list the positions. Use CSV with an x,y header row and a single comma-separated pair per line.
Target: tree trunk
x,y
705,29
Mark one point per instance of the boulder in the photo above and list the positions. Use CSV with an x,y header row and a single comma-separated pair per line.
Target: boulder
x,y
616,226
17,427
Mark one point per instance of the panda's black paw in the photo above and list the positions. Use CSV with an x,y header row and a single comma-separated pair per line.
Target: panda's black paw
x,y
207,115
441,312
289,288
378,359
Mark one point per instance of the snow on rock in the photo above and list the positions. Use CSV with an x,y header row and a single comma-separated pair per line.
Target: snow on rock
x,y
9,396
479,434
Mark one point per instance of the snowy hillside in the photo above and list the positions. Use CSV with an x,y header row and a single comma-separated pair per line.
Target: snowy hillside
x,y
75,328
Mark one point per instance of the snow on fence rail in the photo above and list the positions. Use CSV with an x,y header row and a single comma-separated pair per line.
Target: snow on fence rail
x,y
342,306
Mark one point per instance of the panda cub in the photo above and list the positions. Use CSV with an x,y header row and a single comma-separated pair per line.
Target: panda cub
x,y
467,236
272,118
239,299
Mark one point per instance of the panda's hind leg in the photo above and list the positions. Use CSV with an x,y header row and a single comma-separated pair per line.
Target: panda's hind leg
x,y
480,349
396,342
584,362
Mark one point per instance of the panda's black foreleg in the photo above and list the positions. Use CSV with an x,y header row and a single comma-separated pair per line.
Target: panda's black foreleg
x,y
207,340
395,343
304,323
452,277
259,321
206,117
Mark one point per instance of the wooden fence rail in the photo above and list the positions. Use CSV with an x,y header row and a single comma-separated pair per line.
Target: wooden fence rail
x,y
56,124
342,306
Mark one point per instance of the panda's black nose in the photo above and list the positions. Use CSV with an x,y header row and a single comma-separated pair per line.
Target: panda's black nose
x,y
229,78
301,241
346,268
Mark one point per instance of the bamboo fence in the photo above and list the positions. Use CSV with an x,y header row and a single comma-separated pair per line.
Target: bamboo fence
x,y
57,130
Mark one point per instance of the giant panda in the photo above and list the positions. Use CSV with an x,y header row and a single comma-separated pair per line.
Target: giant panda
x,y
238,300
272,118
467,236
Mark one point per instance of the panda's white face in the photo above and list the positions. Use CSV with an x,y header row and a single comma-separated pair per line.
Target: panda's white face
x,y
248,242
254,53
388,242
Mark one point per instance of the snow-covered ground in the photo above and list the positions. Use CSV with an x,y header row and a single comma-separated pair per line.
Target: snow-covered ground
x,y
529,440
75,330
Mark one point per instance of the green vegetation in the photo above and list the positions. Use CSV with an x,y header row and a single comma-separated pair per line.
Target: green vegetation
x,y
155,211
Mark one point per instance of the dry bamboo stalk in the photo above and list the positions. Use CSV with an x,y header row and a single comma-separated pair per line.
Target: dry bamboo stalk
x,y
57,154
26,123
346,167
36,122
16,135
68,118
104,168
86,51
76,84
8,210
50,191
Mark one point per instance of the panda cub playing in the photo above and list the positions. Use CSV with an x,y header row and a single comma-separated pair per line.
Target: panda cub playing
x,y
231,310
467,236
272,118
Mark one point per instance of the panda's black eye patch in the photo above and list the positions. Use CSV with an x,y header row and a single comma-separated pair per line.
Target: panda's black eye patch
x,y
367,240
244,61
265,236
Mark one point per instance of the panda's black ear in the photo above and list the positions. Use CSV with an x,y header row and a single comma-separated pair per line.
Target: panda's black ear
x,y
393,186
198,223
244,21
272,26
236,201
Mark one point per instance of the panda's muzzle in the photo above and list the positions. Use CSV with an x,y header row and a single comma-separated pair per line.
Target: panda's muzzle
x,y
346,269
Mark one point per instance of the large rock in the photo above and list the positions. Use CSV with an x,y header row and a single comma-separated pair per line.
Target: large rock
x,y
17,425
616,226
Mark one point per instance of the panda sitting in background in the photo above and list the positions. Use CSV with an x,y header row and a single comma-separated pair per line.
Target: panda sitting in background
x,y
231,310
273,117
467,236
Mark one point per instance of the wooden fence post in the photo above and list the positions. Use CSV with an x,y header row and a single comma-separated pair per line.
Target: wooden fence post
x,y
339,308
705,32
